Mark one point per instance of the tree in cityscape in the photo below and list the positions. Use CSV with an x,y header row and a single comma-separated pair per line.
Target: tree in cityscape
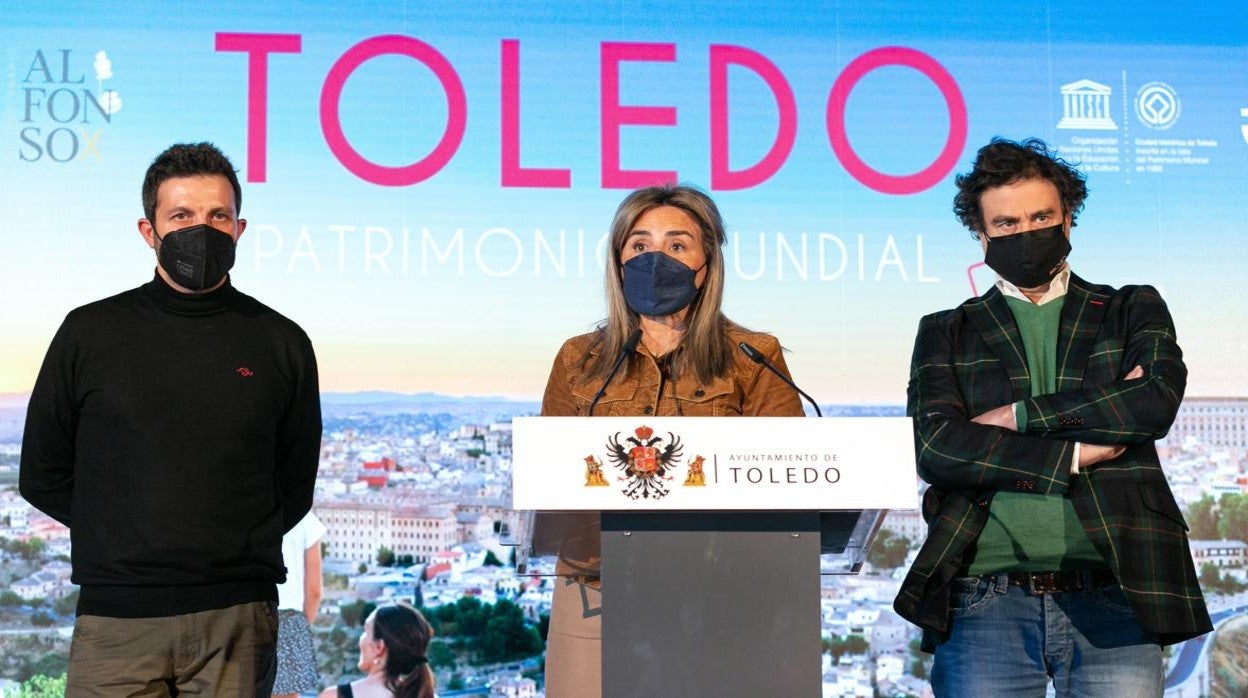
x,y
1233,517
34,549
441,655
1227,518
1202,518
29,550
487,633
507,636
888,551
850,644
10,599
1210,576
355,613
543,626
67,604
51,664
918,663
337,651
385,557
469,616
1212,579
405,560
491,560
40,686
42,619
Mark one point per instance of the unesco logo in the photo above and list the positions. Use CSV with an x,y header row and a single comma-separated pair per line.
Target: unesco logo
x,y
64,113
1157,105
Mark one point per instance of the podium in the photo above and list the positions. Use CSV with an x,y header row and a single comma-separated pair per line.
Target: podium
x,y
709,535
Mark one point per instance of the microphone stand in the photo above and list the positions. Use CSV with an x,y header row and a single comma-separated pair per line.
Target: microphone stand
x,y
757,357
630,345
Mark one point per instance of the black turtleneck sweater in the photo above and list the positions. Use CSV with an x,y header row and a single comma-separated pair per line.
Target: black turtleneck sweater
x,y
178,437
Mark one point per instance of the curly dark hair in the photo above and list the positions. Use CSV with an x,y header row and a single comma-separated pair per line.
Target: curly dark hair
x,y
188,160
1003,162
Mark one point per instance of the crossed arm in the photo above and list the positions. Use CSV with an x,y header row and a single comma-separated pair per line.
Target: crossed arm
x,y
987,451
1086,454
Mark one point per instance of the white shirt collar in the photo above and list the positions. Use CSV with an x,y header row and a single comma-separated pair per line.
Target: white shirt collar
x,y
1057,287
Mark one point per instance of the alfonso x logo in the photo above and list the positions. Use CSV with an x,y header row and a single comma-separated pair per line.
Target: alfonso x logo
x,y
63,112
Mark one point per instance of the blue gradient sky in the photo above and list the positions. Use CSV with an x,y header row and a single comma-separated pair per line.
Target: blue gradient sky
x,y
71,235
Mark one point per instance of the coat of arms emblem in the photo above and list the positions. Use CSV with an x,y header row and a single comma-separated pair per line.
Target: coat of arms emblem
x,y
645,461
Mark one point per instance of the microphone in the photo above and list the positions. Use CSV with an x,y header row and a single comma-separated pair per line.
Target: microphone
x,y
757,357
630,345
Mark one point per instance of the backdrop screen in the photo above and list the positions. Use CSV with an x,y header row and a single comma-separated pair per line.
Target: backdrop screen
x,y
428,185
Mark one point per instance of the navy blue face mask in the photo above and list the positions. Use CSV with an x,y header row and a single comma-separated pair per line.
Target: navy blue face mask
x,y
656,284
197,257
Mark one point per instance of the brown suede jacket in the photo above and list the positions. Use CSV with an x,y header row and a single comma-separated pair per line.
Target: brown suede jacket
x,y
748,389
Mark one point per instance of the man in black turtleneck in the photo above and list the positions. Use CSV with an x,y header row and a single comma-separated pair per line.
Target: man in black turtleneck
x,y
175,428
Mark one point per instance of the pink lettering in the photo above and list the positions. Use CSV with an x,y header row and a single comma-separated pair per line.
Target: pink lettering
x,y
452,135
934,71
258,47
615,115
722,177
513,174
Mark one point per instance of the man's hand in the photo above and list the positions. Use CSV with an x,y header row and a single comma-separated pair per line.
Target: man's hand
x,y
1002,416
1091,454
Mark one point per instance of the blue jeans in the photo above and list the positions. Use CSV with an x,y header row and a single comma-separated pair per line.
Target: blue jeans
x,y
1005,641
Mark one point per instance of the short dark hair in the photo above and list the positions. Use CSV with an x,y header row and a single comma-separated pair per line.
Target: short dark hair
x,y
1003,162
188,160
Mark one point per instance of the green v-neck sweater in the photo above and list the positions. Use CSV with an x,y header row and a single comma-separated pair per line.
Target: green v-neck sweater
x,y
1034,532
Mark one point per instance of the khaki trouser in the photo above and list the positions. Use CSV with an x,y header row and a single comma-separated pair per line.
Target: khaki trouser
x,y
224,652
574,641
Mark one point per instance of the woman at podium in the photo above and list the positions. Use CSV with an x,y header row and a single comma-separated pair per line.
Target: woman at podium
x,y
666,349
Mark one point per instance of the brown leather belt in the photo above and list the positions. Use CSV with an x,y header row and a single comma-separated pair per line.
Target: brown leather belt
x,y
1057,582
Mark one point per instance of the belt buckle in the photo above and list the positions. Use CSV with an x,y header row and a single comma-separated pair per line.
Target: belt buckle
x,y
1040,583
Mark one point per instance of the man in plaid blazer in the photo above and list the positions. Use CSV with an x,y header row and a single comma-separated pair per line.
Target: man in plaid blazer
x,y
1055,549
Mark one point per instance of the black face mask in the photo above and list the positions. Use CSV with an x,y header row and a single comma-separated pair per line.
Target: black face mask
x,y
656,284
197,257
1029,259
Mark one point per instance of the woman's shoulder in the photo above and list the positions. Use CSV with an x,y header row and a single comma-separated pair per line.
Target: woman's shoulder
x,y
342,689
762,341
579,344
574,350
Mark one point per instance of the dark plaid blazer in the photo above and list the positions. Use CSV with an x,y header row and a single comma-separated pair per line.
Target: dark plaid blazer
x,y
969,360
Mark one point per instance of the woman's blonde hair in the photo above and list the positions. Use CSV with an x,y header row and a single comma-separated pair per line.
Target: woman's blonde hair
x,y
705,348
